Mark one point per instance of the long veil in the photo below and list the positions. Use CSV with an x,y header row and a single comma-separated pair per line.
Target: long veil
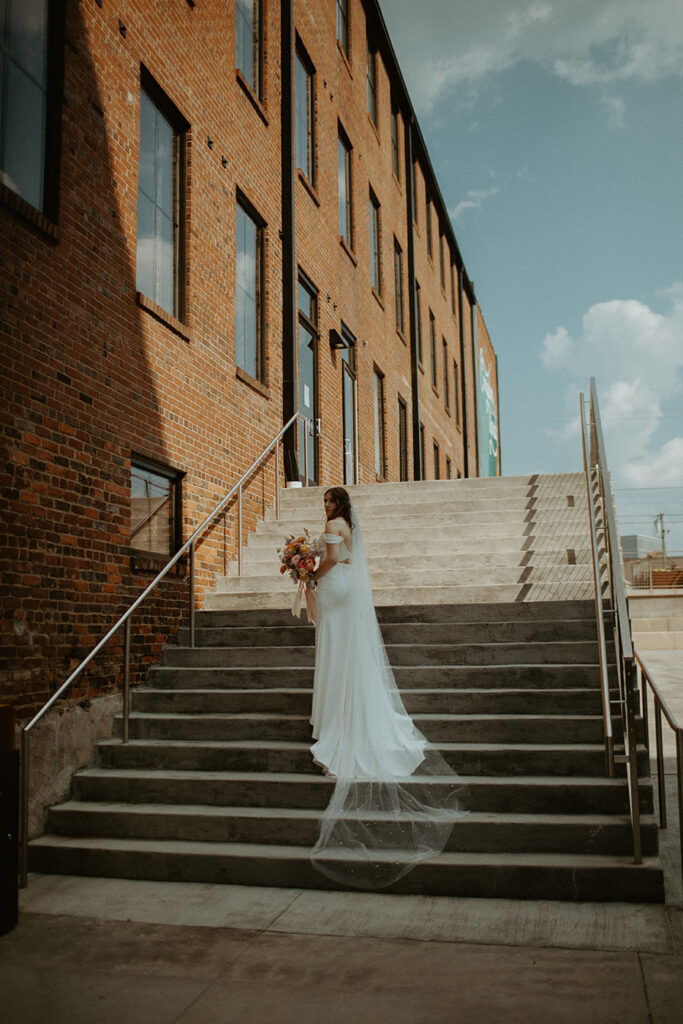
x,y
395,797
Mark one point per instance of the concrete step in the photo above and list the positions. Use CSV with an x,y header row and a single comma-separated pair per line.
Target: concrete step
x,y
656,641
448,728
455,613
548,528
284,756
541,653
518,875
578,590
260,559
420,517
429,677
398,632
575,795
274,582
478,832
298,702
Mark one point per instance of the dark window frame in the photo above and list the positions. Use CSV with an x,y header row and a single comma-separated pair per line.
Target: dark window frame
x,y
402,439
181,128
418,323
437,460
302,58
343,28
395,140
343,142
449,468
375,242
255,217
446,387
51,135
428,221
371,83
379,412
257,49
399,304
432,349
456,393
175,477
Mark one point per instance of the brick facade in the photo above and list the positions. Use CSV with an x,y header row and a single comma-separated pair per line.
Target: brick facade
x,y
95,372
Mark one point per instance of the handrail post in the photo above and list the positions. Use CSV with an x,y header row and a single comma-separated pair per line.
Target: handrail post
x,y
192,547
661,780
126,679
679,774
239,531
23,824
277,480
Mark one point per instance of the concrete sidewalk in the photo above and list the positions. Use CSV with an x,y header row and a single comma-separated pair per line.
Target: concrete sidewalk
x,y
122,952
111,951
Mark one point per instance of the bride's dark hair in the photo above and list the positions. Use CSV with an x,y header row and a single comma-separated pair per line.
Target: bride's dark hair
x,y
342,504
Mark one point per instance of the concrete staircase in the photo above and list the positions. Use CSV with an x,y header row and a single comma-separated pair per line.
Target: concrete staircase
x,y
498,664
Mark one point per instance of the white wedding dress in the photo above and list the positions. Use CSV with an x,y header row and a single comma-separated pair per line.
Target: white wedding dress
x,y
395,798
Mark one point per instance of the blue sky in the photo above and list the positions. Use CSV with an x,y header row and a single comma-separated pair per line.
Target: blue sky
x,y
555,128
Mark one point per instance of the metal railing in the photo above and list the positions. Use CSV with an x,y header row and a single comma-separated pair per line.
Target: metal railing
x,y
660,706
125,622
612,611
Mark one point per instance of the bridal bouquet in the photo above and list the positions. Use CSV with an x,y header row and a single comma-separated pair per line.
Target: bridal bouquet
x,y
300,557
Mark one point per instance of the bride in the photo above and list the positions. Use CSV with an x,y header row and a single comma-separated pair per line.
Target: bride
x,y
395,798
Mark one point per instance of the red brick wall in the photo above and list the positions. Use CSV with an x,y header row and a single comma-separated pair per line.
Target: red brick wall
x,y
91,376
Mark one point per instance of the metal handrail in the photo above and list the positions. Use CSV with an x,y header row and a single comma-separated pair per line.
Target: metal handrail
x,y
608,728
611,575
660,706
124,620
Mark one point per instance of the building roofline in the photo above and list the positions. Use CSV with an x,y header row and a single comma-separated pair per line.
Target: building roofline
x,y
376,18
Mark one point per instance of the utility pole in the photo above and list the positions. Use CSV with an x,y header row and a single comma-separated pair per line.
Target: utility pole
x,y
659,526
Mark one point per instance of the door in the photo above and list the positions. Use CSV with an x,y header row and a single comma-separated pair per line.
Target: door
x,y
307,376
350,422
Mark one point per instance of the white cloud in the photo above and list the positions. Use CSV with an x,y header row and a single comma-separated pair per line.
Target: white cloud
x,y
475,198
586,42
636,356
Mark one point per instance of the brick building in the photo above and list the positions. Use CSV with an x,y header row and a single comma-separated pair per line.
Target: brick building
x,y
213,214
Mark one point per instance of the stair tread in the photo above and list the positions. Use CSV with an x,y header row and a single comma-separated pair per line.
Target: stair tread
x,y
271,852
302,745
295,813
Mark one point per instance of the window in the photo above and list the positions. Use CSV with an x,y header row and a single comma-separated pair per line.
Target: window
x,y
371,75
398,286
155,508
418,321
343,25
305,140
161,192
442,266
449,468
428,222
432,347
453,288
456,393
422,451
437,467
29,104
395,157
413,175
248,56
375,251
345,185
446,388
402,439
248,285
380,449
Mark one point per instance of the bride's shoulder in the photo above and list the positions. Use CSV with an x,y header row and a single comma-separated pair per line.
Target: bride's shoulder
x,y
337,526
